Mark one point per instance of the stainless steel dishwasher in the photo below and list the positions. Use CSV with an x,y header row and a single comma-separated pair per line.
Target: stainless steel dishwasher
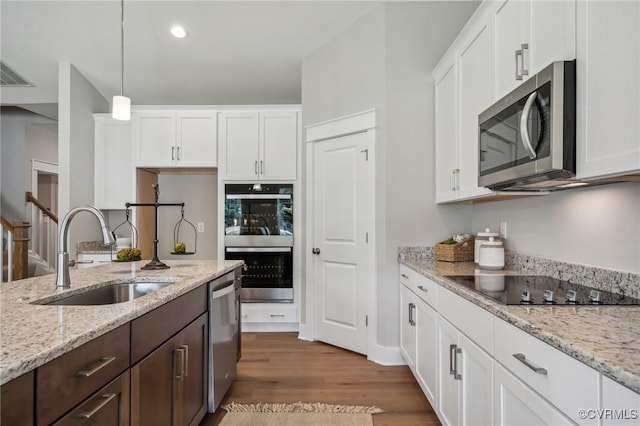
x,y
224,335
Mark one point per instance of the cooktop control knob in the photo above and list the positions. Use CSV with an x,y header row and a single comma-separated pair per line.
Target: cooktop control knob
x,y
594,296
572,296
525,297
549,296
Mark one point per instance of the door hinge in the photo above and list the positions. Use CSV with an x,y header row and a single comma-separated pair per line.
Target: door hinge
x,y
366,154
366,320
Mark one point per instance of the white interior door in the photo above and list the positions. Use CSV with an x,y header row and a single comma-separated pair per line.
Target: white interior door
x,y
343,230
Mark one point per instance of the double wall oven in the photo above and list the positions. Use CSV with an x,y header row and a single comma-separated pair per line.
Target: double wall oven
x,y
259,230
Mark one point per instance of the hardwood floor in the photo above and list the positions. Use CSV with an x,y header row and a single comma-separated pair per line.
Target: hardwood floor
x,y
278,367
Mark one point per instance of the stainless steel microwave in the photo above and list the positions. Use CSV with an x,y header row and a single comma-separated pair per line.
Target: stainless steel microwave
x,y
527,139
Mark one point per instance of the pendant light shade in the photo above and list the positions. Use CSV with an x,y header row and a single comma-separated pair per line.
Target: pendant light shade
x,y
121,108
121,105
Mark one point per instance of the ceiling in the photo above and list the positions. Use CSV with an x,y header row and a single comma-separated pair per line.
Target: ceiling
x,y
236,52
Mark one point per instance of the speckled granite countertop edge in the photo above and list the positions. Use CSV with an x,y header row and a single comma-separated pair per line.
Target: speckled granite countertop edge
x,y
32,335
545,330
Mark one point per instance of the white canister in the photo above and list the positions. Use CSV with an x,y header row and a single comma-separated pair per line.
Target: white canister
x,y
480,237
491,254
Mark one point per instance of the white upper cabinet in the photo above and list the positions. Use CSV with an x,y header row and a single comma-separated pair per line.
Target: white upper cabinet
x,y
475,97
446,138
259,145
608,89
175,138
529,35
114,172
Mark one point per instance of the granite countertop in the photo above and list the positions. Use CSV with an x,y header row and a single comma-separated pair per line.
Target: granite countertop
x,y
32,335
606,338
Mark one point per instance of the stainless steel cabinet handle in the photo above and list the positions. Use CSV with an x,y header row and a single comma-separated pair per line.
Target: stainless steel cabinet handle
x,y
524,133
405,276
261,167
524,47
453,361
457,179
452,179
255,167
173,149
277,315
178,153
523,359
411,308
185,358
104,361
105,400
426,290
178,359
518,64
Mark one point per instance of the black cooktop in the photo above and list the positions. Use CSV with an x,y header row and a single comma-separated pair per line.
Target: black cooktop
x,y
539,290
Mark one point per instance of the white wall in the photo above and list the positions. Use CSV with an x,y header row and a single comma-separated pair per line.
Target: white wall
x,y
596,226
17,151
383,62
77,101
199,192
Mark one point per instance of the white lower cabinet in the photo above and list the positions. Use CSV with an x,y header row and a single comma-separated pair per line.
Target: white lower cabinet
x,y
620,405
517,404
407,327
465,394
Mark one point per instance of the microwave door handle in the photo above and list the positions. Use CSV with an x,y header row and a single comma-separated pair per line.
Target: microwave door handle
x,y
526,141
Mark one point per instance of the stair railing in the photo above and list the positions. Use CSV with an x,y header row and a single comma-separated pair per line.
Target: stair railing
x,y
17,239
44,232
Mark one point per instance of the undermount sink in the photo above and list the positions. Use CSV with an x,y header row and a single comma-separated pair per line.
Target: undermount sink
x,y
110,294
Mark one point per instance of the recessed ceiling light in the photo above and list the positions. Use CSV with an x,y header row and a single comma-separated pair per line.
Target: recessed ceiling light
x,y
178,31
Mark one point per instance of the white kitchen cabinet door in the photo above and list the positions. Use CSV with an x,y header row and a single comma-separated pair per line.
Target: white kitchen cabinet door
x,y
623,403
448,386
426,361
446,138
278,145
408,327
512,32
240,139
553,32
475,96
196,144
114,169
155,136
516,404
608,88
477,383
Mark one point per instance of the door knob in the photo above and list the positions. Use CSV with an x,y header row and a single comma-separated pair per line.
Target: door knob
x,y
315,250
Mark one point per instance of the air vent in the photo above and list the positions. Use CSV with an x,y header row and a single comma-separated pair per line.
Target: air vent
x,y
10,78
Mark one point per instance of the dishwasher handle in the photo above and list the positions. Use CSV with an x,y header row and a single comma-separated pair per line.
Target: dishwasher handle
x,y
223,289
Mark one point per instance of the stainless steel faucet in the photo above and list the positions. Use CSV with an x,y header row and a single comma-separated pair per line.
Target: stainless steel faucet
x,y
62,279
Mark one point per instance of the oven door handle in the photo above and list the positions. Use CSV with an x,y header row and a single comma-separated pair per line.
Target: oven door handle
x,y
258,196
526,141
258,249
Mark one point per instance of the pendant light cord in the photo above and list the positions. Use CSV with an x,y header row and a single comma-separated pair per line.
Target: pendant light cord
x,y
122,48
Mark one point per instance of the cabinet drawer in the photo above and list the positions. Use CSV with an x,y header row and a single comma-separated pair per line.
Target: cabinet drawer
x,y
565,382
108,406
471,319
64,382
422,286
268,313
152,329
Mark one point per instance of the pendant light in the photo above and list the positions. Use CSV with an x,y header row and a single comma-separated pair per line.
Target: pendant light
x,y
121,104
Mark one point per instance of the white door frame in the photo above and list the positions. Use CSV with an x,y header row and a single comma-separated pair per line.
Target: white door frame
x,y
356,123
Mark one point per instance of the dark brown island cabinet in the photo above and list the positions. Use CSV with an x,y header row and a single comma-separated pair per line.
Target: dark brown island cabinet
x,y
150,371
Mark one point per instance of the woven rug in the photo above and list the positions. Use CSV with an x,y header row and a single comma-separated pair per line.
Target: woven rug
x,y
297,414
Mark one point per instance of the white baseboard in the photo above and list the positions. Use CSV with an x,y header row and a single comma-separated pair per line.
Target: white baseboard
x,y
387,355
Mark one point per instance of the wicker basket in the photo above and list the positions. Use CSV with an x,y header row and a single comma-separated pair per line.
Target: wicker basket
x,y
459,252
